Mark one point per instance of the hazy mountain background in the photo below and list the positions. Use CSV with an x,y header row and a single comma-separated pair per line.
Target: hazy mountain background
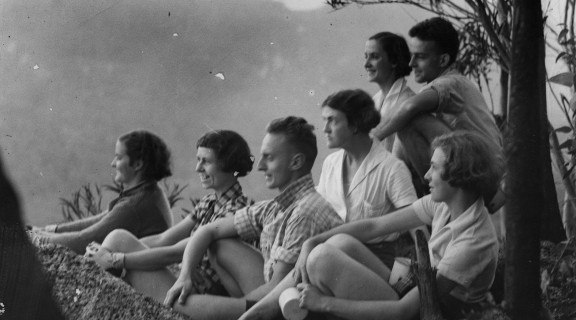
x,y
77,74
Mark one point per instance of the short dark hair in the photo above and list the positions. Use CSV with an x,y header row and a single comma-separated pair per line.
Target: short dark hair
x,y
441,32
300,134
232,151
397,50
472,162
151,150
358,107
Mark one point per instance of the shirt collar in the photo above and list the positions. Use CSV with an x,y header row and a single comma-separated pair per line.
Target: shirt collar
x,y
295,191
233,192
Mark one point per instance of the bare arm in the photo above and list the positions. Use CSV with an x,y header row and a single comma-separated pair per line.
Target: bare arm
x,y
267,307
363,230
78,240
197,245
172,235
425,101
281,269
405,308
155,258
79,225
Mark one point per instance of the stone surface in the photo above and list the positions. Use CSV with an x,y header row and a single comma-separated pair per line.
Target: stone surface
x,y
85,292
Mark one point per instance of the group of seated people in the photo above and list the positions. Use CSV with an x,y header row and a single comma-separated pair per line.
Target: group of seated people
x,y
334,241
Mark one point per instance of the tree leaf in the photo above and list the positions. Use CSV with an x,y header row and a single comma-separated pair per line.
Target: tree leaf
x,y
564,129
562,35
573,103
565,79
562,54
565,144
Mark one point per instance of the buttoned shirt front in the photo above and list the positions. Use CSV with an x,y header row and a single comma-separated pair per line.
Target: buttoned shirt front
x,y
284,223
209,209
381,185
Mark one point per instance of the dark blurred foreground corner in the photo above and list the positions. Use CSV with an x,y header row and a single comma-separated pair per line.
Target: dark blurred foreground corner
x,y
24,291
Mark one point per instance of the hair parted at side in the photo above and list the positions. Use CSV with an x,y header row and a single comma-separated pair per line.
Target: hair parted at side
x,y
397,50
300,134
472,162
151,150
441,32
232,151
358,107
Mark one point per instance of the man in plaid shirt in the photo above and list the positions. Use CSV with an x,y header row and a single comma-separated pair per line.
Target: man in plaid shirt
x,y
282,225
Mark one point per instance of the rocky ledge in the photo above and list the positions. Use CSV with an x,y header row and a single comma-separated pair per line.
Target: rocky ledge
x,y
85,292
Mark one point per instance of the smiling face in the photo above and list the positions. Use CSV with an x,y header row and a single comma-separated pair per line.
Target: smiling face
x,y
426,63
377,63
276,157
210,173
126,174
440,189
338,132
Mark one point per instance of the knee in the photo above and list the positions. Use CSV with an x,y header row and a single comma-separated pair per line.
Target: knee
x,y
320,261
344,242
119,240
216,248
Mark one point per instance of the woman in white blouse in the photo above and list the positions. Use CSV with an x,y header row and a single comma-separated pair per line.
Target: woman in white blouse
x,y
387,61
362,179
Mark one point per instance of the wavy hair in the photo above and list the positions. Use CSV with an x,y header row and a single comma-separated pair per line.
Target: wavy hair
x,y
472,162
397,50
357,106
232,151
151,150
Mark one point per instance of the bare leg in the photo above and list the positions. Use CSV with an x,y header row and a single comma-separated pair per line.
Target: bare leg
x,y
267,307
153,284
121,240
359,252
238,265
337,274
209,307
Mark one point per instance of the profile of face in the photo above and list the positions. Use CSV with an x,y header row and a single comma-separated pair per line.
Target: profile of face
x,y
440,189
275,161
126,173
210,172
336,128
377,63
426,63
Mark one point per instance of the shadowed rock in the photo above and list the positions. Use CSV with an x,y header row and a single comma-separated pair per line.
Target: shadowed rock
x,y
84,291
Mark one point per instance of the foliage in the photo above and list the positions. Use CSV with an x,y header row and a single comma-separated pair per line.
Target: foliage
x,y
173,192
87,201
567,55
193,202
484,32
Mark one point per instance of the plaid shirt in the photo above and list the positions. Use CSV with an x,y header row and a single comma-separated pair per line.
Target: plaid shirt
x,y
284,223
211,208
